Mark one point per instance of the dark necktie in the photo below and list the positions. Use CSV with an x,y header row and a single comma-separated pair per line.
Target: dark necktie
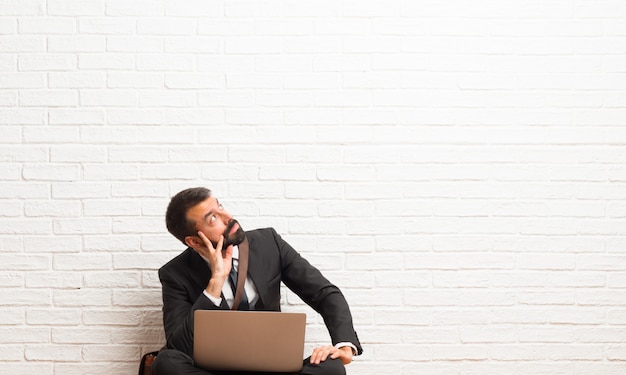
x,y
232,276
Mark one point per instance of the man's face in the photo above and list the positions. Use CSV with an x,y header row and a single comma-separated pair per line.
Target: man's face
x,y
214,221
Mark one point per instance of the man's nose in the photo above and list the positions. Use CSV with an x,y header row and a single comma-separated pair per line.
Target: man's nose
x,y
226,217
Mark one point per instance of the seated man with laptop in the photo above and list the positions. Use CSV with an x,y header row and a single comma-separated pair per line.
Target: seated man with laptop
x,y
225,268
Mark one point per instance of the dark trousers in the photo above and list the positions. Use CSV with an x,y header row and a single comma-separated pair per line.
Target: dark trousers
x,y
174,362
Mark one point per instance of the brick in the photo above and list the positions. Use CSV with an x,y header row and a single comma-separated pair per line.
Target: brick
x,y
551,334
112,280
76,44
172,171
76,117
115,98
95,353
22,226
108,61
135,135
49,317
167,99
163,62
152,336
155,242
197,45
111,171
86,153
112,243
111,208
82,261
47,62
7,27
140,260
18,297
9,173
129,43
168,26
116,79
82,298
141,8
135,117
14,280
598,335
53,280
607,297
231,64
19,44
47,244
53,134
18,335
76,7
83,367
135,154
11,353
80,190
137,298
8,99
139,190
291,98
194,81
50,98
195,8
51,172
254,81
71,335
22,80
23,190
59,353
109,26
46,26
144,225
112,317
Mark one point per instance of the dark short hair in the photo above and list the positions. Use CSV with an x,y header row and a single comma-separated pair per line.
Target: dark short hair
x,y
176,215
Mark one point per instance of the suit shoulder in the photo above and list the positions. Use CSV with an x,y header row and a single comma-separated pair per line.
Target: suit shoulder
x,y
177,261
261,233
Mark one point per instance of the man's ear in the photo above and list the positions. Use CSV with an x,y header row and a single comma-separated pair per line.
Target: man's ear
x,y
193,241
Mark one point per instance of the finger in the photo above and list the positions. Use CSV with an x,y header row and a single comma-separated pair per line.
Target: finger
x,y
320,354
228,252
315,356
206,241
220,243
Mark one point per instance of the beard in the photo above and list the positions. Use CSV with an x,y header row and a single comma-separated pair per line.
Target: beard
x,y
235,238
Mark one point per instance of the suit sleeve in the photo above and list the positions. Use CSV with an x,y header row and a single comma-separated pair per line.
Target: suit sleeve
x,y
178,311
315,290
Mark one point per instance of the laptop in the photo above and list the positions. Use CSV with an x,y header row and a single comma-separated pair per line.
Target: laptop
x,y
227,340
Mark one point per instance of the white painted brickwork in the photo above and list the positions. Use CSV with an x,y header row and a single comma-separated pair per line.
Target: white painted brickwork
x,y
457,167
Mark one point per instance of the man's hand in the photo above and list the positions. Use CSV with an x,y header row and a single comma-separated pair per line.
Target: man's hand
x,y
321,353
219,261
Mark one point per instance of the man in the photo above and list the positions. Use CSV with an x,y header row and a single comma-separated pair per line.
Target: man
x,y
198,279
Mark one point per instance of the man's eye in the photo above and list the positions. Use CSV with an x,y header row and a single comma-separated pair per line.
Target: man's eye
x,y
212,218
221,207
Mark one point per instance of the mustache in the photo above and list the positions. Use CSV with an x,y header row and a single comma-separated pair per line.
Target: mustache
x,y
230,226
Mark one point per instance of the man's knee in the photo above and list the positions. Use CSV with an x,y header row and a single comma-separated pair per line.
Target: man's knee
x,y
335,367
328,367
169,361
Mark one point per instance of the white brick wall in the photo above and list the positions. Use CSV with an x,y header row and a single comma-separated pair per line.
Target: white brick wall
x,y
457,167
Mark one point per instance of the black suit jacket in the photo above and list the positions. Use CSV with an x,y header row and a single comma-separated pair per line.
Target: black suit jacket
x,y
271,260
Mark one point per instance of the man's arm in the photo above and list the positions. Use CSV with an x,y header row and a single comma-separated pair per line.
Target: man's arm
x,y
178,310
314,289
